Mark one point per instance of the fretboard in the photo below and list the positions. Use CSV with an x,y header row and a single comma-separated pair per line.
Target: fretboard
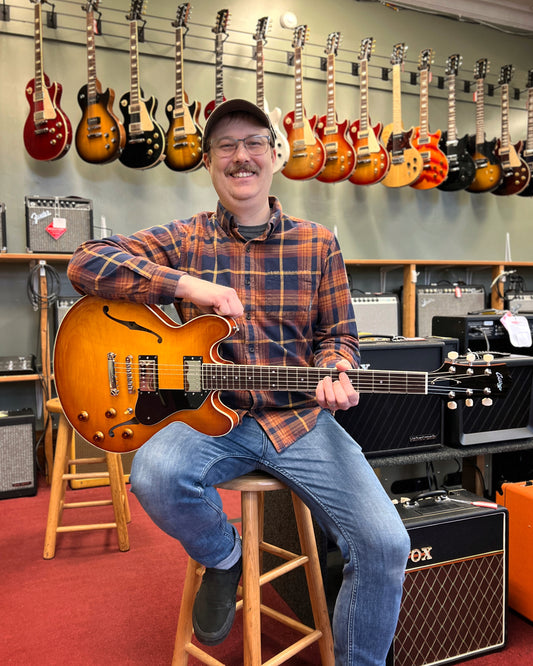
x,y
424,80
330,116
38,40
452,122
363,97
219,75
135,93
505,141
529,140
397,128
260,79
298,88
178,100
480,112
91,60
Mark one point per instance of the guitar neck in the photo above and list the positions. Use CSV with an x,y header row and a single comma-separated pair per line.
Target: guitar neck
x,y
424,81
135,89
178,99
480,112
219,75
529,140
452,122
298,88
505,139
363,97
397,128
260,76
38,43
91,60
330,115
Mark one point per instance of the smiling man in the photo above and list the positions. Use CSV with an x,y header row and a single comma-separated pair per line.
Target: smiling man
x,y
283,279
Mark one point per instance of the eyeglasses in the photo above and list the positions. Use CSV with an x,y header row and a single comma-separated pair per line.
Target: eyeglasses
x,y
255,145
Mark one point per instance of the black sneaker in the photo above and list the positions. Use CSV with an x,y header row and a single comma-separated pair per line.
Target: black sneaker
x,y
214,607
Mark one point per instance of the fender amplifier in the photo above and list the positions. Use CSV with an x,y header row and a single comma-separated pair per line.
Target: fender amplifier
x,y
57,224
433,300
519,303
17,454
3,236
377,313
454,603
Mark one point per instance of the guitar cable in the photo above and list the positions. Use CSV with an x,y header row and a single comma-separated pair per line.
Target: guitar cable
x,y
53,286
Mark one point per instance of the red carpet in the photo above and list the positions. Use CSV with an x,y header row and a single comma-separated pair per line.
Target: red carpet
x,y
93,605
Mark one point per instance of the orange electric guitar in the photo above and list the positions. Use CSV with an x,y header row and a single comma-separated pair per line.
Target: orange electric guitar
x,y
220,37
47,130
372,160
488,170
184,135
123,371
434,162
515,172
307,154
340,156
100,136
405,160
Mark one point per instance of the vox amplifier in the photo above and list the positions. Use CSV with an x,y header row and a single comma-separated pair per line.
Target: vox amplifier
x,y
454,603
3,236
17,454
433,300
377,313
57,224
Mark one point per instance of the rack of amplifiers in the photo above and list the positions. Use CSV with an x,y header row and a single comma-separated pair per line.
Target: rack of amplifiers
x,y
57,224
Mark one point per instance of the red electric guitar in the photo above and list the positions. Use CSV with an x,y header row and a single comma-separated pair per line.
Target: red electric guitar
x,y
220,37
47,131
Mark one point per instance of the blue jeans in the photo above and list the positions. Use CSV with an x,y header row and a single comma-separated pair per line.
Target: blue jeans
x,y
173,476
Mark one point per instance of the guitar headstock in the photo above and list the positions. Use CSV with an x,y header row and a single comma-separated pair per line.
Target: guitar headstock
x,y
221,22
91,6
367,48
136,10
182,15
506,74
425,60
398,53
301,35
332,45
481,68
452,64
529,83
261,29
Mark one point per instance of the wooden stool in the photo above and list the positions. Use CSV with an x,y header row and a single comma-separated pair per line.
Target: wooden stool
x,y
252,486
60,477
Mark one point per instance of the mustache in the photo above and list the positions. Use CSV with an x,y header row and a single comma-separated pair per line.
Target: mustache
x,y
241,166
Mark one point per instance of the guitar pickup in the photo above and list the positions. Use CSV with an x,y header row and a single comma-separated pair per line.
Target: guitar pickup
x,y
148,374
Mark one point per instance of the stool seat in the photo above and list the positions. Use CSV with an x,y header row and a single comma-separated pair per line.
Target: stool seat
x,y
252,487
63,459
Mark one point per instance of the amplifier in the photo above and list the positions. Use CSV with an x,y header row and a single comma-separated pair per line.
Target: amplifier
x,y
509,417
3,236
519,303
432,300
479,332
390,423
17,365
454,603
17,454
377,313
57,224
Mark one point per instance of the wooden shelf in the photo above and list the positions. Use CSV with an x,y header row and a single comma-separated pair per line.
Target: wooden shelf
x,y
17,258
4,379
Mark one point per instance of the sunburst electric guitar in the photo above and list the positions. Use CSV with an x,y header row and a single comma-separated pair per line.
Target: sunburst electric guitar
x,y
123,371
145,139
184,135
221,35
515,171
434,162
461,167
47,130
100,136
405,160
372,160
282,145
527,150
307,154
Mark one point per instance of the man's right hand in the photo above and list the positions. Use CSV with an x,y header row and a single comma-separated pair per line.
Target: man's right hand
x,y
210,297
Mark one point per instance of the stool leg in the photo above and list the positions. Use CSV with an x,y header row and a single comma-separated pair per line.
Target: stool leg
x,y
315,585
124,490
184,631
251,608
116,483
57,488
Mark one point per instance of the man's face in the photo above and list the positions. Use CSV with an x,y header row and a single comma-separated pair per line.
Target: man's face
x,y
242,177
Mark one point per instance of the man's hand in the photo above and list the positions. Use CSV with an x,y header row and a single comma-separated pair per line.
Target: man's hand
x,y
209,296
338,394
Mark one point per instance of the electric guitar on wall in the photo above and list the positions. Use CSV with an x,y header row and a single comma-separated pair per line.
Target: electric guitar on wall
x,y
282,145
435,164
145,139
372,160
515,170
47,130
405,160
488,171
123,371
100,136
307,154
461,167
184,135
527,151
221,35
340,156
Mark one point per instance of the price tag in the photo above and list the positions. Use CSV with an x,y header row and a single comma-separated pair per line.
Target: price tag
x,y
518,329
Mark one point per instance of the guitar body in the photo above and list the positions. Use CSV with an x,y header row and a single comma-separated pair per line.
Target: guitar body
x,y
307,156
488,170
405,160
434,162
145,139
340,156
527,157
461,167
100,136
372,160
282,148
184,137
515,171
210,107
47,130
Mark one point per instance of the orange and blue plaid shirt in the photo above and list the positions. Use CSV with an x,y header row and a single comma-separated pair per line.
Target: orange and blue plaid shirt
x,y
291,280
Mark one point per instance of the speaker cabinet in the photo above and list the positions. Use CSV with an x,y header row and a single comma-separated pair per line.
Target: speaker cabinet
x,y
454,603
17,454
433,300
378,314
508,418
57,224
3,236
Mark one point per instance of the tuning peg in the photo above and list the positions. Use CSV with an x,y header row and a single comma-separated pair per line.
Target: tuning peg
x,y
453,355
451,405
469,402
488,358
486,402
470,357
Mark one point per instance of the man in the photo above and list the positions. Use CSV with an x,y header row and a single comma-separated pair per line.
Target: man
x,y
283,279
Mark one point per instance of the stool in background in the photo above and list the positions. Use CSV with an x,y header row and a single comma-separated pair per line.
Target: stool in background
x,y
252,486
60,477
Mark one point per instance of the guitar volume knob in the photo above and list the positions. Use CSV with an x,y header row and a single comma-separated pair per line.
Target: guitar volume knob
x,y
83,417
127,434
98,436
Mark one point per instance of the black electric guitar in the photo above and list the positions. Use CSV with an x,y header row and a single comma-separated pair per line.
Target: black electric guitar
x,y
527,150
123,371
145,139
461,167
